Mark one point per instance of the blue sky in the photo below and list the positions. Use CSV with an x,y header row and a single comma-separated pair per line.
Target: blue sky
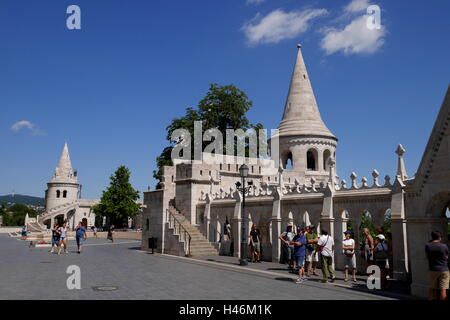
x,y
111,88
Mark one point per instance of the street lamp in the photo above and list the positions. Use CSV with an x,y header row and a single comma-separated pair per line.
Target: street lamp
x,y
243,172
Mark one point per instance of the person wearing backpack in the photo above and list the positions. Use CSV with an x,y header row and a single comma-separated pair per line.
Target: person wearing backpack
x,y
380,254
325,247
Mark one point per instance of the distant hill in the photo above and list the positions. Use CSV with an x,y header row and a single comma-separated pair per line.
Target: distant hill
x,y
19,198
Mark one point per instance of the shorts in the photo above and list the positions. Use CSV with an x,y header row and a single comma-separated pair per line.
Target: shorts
x,y
350,262
55,241
256,247
439,279
289,252
312,256
63,238
299,261
80,241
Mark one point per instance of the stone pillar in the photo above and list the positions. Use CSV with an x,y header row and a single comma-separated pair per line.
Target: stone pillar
x,y
398,226
276,225
207,214
236,225
340,227
327,217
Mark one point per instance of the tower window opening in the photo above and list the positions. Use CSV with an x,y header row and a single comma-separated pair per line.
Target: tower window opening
x,y
65,194
58,193
326,156
311,160
288,163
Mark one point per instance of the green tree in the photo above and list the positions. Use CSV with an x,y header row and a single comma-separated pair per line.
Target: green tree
x,y
223,107
15,214
118,201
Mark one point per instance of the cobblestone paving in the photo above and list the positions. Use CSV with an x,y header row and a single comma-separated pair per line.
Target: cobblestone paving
x,y
33,273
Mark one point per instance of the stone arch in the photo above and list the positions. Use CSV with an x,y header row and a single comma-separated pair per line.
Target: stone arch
x,y
287,160
312,157
439,207
305,219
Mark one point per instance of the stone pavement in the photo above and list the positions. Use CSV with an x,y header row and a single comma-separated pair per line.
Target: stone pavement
x,y
33,273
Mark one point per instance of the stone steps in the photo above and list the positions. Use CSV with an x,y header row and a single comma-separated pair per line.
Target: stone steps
x,y
200,246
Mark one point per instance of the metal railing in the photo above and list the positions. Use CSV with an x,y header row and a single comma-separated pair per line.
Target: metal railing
x,y
179,230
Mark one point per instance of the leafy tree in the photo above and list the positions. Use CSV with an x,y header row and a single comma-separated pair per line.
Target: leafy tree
x,y
366,222
118,201
223,107
15,215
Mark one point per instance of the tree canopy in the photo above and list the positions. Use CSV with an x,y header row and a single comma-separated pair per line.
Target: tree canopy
x,y
15,214
118,201
223,107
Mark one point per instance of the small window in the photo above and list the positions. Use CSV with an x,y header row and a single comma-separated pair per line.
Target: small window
x,y
220,166
58,193
65,194
229,167
201,172
311,160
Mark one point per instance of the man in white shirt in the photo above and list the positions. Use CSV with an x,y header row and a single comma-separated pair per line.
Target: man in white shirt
x,y
326,248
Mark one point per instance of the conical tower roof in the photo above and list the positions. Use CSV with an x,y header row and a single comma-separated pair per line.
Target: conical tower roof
x,y
64,171
301,115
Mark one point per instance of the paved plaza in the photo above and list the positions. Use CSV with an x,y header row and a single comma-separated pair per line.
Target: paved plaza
x,y
33,273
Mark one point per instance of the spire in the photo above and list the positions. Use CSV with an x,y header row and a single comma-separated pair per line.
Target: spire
x,y
64,171
401,170
301,115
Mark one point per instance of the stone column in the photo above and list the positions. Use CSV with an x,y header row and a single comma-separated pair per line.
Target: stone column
x,y
207,214
327,217
340,227
398,226
236,225
276,224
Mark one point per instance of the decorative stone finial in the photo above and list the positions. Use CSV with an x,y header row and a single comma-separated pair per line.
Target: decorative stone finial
x,y
375,176
400,150
353,176
299,46
364,182
401,170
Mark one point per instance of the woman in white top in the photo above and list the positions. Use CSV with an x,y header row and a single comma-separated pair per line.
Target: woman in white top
x,y
348,249
63,238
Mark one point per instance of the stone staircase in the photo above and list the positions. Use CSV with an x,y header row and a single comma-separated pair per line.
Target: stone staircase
x,y
36,227
199,245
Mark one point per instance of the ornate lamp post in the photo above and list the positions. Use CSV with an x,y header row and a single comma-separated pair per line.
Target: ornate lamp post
x,y
243,172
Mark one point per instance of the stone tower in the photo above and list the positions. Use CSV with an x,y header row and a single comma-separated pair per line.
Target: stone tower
x,y
307,147
63,187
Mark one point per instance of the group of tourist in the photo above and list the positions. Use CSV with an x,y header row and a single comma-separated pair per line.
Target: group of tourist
x,y
59,236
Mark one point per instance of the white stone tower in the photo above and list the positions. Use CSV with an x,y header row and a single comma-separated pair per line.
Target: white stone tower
x,y
306,144
63,187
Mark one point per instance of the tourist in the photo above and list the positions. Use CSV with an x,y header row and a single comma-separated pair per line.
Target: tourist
x,y
299,243
255,244
110,233
288,249
63,239
437,255
348,249
326,248
25,232
94,229
80,236
311,251
56,234
368,247
380,253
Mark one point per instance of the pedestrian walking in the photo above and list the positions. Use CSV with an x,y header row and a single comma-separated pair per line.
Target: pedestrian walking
x,y
80,236
348,249
326,250
437,255
63,239
299,243
111,233
56,234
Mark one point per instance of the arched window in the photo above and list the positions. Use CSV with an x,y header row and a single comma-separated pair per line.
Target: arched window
x,y
288,162
311,160
326,156
58,193
65,194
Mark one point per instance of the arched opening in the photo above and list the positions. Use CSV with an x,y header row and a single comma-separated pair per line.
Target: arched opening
x,y
326,156
147,224
58,193
65,194
287,161
366,222
311,160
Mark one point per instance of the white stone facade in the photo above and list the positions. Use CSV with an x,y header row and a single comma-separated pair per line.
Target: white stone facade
x,y
308,191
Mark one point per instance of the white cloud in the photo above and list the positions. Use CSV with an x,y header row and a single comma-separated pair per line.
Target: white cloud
x,y
254,1
279,25
356,6
25,124
355,37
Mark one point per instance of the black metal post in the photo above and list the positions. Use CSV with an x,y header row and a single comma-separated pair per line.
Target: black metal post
x,y
243,261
